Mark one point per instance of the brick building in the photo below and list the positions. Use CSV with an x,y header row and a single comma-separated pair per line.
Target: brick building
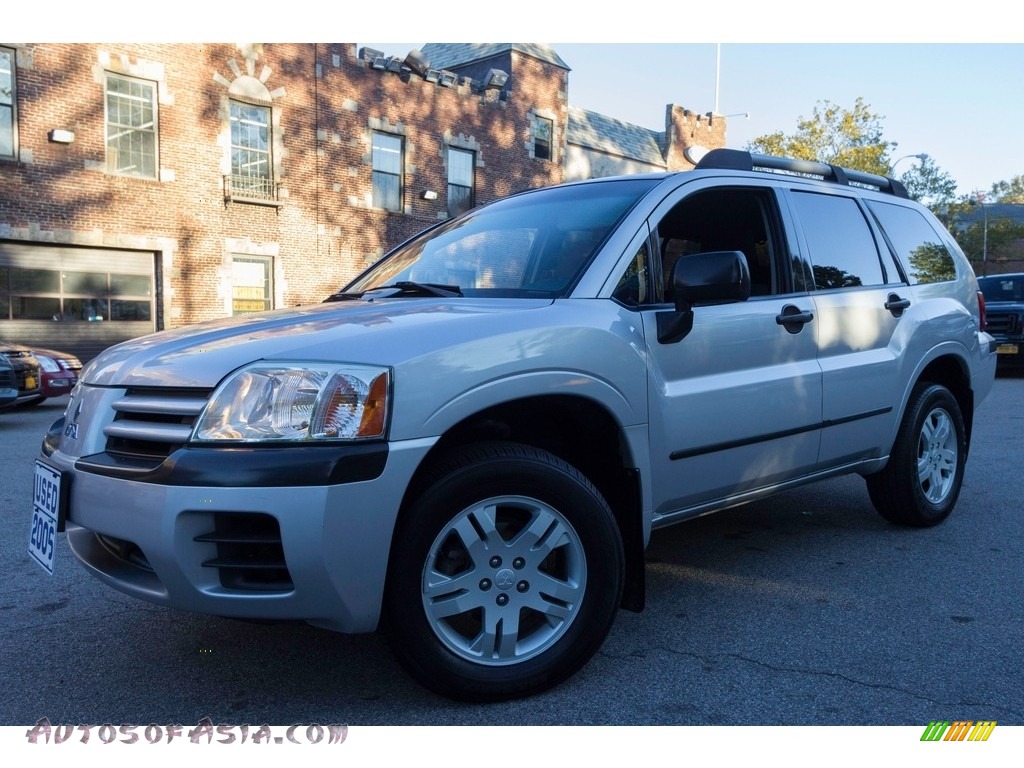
x,y
148,186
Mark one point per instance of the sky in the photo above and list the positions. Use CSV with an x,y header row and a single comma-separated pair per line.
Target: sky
x,y
944,82
960,103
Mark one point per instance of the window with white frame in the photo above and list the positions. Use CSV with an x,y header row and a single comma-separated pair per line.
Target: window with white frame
x,y
387,171
543,131
252,288
461,186
251,162
8,104
131,126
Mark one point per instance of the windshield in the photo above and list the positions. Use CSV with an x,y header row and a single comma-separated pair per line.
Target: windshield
x,y
1002,287
534,244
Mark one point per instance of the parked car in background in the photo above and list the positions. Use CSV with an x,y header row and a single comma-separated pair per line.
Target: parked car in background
x,y
1004,312
26,371
58,373
8,384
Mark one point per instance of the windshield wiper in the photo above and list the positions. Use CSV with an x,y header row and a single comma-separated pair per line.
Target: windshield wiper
x,y
406,287
343,296
431,289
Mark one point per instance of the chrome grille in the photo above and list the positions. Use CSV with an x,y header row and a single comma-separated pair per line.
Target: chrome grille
x,y
1003,323
151,422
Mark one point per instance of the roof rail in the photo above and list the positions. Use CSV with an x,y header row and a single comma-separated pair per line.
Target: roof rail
x,y
740,160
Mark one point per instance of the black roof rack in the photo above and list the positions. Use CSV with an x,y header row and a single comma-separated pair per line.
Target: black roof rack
x,y
740,160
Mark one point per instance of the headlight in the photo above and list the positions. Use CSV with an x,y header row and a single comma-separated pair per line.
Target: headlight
x,y
47,364
297,402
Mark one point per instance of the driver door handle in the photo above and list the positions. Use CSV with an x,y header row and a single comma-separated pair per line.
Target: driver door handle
x,y
793,319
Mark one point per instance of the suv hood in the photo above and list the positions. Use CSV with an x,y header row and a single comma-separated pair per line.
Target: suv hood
x,y
378,331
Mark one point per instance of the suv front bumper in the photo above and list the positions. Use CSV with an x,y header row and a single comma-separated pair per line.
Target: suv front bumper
x,y
272,551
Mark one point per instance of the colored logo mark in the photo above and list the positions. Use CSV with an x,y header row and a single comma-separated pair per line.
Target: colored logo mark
x,y
960,730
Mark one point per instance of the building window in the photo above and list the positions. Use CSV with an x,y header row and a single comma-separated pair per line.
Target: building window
x,y
543,130
8,103
461,164
252,287
251,167
131,126
387,171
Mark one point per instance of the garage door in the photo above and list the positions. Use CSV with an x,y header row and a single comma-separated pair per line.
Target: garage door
x,y
78,300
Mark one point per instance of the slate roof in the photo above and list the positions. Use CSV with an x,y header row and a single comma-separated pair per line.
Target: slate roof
x,y
606,134
449,55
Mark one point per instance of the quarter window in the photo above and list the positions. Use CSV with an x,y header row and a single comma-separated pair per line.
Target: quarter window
x,y
251,166
918,245
543,130
460,180
131,126
8,102
387,171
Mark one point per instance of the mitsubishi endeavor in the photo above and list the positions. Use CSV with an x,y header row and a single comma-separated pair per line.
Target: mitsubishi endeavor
x,y
470,445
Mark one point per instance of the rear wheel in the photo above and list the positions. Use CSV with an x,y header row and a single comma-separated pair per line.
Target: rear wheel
x,y
505,575
920,484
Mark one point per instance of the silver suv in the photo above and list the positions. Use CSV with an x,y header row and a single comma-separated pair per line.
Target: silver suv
x,y
471,443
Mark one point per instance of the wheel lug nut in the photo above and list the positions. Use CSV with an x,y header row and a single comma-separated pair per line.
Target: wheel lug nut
x,y
495,562
518,563
522,586
502,599
485,584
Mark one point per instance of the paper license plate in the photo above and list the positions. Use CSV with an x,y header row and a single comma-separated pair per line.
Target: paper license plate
x,y
30,382
49,502
1006,349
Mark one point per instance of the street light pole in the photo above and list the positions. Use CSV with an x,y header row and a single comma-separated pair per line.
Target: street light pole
x,y
922,157
984,233
984,243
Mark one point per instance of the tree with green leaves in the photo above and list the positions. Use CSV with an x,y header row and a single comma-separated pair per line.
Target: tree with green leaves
x,y
853,138
833,134
929,184
1011,191
988,245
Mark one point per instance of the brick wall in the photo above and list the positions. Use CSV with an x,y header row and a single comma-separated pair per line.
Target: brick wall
x,y
326,102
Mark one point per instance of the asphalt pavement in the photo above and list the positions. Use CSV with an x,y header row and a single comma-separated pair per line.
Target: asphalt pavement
x,y
806,609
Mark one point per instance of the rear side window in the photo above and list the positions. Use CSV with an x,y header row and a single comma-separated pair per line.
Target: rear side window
x,y
842,249
917,244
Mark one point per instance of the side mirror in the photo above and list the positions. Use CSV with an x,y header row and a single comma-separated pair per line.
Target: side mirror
x,y
701,278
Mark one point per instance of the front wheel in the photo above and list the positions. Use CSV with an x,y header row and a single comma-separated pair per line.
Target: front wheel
x,y
505,575
920,484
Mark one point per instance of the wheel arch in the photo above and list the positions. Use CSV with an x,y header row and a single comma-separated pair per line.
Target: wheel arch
x,y
581,432
951,371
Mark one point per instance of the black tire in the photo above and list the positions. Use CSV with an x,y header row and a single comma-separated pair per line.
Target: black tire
x,y
511,539
920,484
